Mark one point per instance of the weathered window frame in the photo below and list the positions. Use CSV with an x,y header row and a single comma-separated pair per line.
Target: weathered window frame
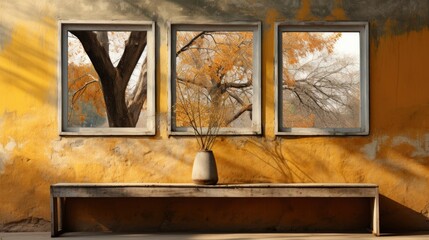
x,y
363,29
64,27
255,27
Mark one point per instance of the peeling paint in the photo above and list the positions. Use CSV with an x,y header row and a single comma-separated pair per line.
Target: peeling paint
x,y
371,149
419,147
5,152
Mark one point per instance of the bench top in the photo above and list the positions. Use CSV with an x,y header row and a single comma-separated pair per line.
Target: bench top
x,y
235,185
220,190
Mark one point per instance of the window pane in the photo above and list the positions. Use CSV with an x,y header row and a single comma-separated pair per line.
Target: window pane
x,y
214,72
320,80
86,106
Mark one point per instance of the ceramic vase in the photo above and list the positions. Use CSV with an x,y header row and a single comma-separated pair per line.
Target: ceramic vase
x,y
204,170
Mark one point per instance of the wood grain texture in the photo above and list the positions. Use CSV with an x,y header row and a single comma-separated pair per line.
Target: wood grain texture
x,y
227,190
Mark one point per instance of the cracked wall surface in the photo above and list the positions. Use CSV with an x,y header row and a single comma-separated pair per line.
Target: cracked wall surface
x,y
395,155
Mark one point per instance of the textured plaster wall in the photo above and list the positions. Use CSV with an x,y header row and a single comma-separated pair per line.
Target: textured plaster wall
x,y
395,155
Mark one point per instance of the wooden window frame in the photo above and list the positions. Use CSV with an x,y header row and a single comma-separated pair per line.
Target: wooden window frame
x,y
255,27
64,27
363,29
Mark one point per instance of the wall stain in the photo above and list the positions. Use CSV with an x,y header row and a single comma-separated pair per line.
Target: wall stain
x,y
30,224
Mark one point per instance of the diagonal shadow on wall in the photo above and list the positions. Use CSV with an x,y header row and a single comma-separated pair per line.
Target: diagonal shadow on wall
x,y
397,218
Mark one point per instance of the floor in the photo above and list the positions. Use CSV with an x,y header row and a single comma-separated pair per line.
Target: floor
x,y
197,236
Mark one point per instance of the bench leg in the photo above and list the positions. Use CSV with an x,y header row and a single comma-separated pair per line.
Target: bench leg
x,y
54,217
61,210
375,216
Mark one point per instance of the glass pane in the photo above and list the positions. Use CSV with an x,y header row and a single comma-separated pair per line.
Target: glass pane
x,y
214,73
86,100
321,80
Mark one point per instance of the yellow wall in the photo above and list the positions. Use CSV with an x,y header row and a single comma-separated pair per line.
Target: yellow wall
x,y
395,155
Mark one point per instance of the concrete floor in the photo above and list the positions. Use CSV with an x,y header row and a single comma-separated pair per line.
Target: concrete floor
x,y
197,236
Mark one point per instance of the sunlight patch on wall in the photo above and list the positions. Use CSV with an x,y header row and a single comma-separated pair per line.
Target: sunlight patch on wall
x,y
28,66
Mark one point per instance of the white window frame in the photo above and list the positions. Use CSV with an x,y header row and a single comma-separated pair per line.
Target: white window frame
x,y
255,27
64,27
363,29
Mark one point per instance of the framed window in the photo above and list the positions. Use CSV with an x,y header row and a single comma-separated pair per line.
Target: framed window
x,y
107,78
215,66
322,78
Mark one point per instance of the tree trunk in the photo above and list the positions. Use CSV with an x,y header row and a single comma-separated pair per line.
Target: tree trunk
x,y
139,95
114,80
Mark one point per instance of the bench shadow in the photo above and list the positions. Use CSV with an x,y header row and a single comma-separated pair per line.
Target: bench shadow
x,y
397,219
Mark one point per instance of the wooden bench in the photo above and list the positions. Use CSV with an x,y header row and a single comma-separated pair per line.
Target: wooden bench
x,y
61,191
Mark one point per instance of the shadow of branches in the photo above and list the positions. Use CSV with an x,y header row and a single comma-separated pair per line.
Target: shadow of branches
x,y
272,153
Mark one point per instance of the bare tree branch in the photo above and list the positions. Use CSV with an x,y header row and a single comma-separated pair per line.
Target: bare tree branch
x,y
200,84
186,46
80,91
237,85
238,114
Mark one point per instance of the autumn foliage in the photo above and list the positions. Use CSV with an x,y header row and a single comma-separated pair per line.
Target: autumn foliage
x,y
85,96
217,66
299,45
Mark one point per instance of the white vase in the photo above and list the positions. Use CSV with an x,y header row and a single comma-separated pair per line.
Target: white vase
x,y
204,171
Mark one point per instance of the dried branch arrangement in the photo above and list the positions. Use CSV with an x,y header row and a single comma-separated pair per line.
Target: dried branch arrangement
x,y
201,109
